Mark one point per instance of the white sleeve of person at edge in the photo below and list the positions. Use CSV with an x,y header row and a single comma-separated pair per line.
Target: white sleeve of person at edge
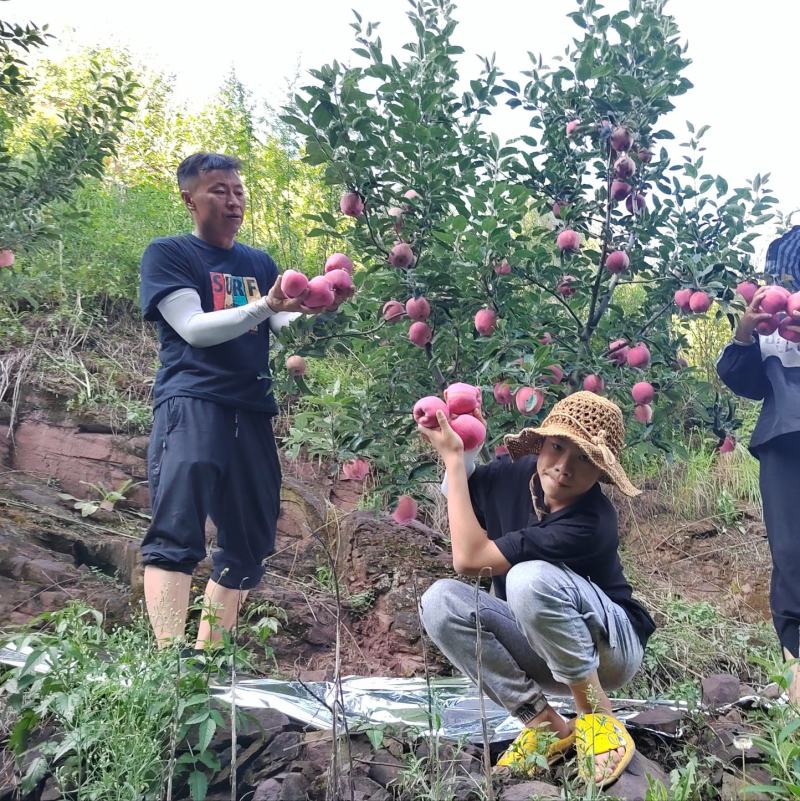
x,y
469,464
183,310
787,353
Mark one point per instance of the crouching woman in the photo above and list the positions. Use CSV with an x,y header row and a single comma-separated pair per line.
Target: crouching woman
x,y
562,614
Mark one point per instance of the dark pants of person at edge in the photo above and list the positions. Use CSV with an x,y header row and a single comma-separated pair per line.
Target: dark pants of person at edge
x,y
779,478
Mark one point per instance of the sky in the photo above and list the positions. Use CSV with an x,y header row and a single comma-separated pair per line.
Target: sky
x,y
746,58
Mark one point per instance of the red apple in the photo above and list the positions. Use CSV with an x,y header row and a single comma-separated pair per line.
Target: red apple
x,y
700,302
355,470
618,351
624,167
546,338
418,309
728,444
420,334
503,268
396,213
485,322
773,301
569,241
785,330
406,510
462,398
340,281
559,207
523,397
572,126
620,190
793,303
682,298
617,262
638,355
645,155
471,430
296,365
411,194
644,413
6,258
293,283
635,203
393,311
502,393
594,383
564,286
425,411
747,289
621,139
556,374
401,256
351,204
320,293
770,326
642,393
338,261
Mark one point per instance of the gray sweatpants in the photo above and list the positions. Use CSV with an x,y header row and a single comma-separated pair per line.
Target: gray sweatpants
x,y
556,629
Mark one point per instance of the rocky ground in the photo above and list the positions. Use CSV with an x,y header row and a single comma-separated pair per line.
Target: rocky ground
x,y
50,554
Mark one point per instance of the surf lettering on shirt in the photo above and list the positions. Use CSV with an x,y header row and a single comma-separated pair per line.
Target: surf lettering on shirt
x,y
228,291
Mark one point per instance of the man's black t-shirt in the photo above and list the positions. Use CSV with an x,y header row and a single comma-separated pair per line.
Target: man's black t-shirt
x,y
234,373
583,537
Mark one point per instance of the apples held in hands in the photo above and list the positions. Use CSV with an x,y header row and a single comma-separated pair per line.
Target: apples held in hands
x,y
486,322
338,261
638,355
785,329
793,303
769,326
774,300
293,283
420,334
643,393
340,282
471,431
406,510
617,262
528,400
401,256
425,411
568,241
320,293
462,398
296,365
351,204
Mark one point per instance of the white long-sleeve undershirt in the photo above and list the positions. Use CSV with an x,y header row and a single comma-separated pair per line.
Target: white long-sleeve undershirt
x,y
469,464
183,310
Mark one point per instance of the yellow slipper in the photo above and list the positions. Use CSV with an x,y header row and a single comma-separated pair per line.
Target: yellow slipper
x,y
533,750
597,734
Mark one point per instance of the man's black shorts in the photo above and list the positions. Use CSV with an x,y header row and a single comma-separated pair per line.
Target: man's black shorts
x,y
205,460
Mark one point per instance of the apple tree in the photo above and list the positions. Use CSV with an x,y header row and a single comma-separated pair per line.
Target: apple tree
x,y
547,263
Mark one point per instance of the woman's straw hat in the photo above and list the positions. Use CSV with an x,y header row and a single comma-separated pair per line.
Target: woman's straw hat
x,y
590,421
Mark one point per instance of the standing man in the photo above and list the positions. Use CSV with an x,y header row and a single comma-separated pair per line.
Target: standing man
x,y
766,367
212,450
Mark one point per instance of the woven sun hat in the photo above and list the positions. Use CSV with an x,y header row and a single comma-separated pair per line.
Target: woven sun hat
x,y
591,422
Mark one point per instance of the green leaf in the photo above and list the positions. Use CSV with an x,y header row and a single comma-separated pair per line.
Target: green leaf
x,y
198,785
631,85
205,733
722,185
